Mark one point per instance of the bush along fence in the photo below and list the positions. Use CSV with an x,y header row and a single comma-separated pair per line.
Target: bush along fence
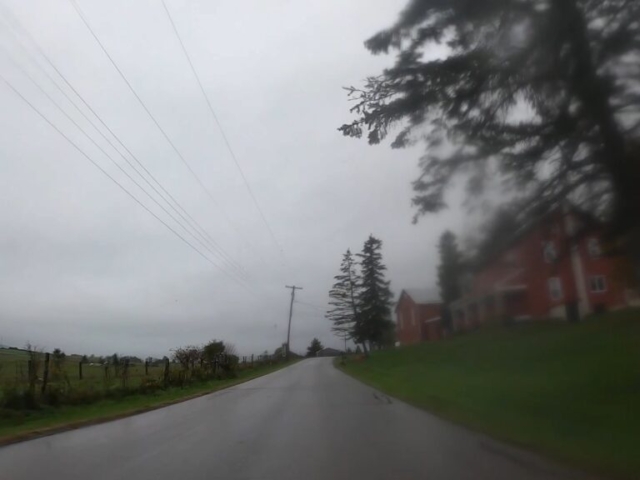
x,y
37,379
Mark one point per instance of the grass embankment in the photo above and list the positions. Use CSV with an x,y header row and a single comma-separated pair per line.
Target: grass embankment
x,y
571,391
20,425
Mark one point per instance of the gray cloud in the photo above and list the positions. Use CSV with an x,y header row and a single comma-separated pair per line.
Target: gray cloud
x,y
86,269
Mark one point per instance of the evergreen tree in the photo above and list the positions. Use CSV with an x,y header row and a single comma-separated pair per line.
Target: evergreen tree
x,y
373,322
314,348
343,295
448,275
543,93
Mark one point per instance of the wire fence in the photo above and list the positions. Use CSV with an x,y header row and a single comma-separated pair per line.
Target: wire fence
x,y
35,377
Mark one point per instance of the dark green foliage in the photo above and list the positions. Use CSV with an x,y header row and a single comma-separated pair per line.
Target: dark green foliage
x,y
150,385
494,235
314,348
374,297
344,295
230,366
449,272
16,397
542,93
213,349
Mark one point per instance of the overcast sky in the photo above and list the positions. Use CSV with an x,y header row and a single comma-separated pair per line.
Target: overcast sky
x,y
85,268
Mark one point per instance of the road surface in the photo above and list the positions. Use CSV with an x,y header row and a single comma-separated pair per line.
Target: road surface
x,y
308,421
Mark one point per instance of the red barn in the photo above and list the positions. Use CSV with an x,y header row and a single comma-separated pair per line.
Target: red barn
x,y
418,316
554,267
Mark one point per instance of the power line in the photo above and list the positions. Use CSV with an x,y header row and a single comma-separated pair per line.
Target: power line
x,y
97,165
192,222
224,136
166,136
112,159
219,251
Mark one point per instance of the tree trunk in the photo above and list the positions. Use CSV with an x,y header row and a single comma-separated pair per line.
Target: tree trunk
x,y
621,162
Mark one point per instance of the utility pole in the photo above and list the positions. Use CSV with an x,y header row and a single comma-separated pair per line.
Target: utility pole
x,y
293,296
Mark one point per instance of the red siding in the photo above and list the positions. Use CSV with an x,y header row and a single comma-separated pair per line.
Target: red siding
x,y
520,276
431,331
410,318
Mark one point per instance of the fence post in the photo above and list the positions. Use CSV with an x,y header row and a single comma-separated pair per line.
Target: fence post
x,y
125,373
32,377
80,370
166,372
252,360
146,367
45,376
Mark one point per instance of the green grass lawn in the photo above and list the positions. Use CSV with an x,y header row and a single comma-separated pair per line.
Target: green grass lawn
x,y
571,391
15,425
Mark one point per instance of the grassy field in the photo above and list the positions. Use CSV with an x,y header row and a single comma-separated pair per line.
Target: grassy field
x,y
17,425
14,368
571,391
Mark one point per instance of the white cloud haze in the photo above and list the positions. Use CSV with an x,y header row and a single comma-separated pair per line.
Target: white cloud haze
x,y
86,269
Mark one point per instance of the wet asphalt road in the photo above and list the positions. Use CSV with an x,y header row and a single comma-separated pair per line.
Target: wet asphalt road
x,y
308,421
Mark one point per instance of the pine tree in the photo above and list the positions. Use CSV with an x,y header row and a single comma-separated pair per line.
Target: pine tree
x,y
448,274
344,294
314,348
373,322
543,93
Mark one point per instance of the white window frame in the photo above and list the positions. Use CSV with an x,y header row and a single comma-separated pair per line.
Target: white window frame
x,y
413,317
549,252
593,247
554,284
599,282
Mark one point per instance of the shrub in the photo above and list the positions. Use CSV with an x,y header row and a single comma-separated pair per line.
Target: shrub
x,y
82,396
149,386
116,392
230,366
177,378
54,395
18,398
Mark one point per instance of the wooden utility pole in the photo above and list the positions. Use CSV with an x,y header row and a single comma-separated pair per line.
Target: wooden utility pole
x,y
293,296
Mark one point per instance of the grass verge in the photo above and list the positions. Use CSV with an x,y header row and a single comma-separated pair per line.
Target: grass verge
x,y
570,391
20,426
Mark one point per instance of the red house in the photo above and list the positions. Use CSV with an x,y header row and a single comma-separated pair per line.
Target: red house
x,y
418,316
554,267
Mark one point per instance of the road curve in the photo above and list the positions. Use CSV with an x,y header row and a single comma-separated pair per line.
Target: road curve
x,y
308,421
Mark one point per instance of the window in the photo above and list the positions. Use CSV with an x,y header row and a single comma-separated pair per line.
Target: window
x,y
593,247
413,316
555,288
400,319
549,252
597,284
